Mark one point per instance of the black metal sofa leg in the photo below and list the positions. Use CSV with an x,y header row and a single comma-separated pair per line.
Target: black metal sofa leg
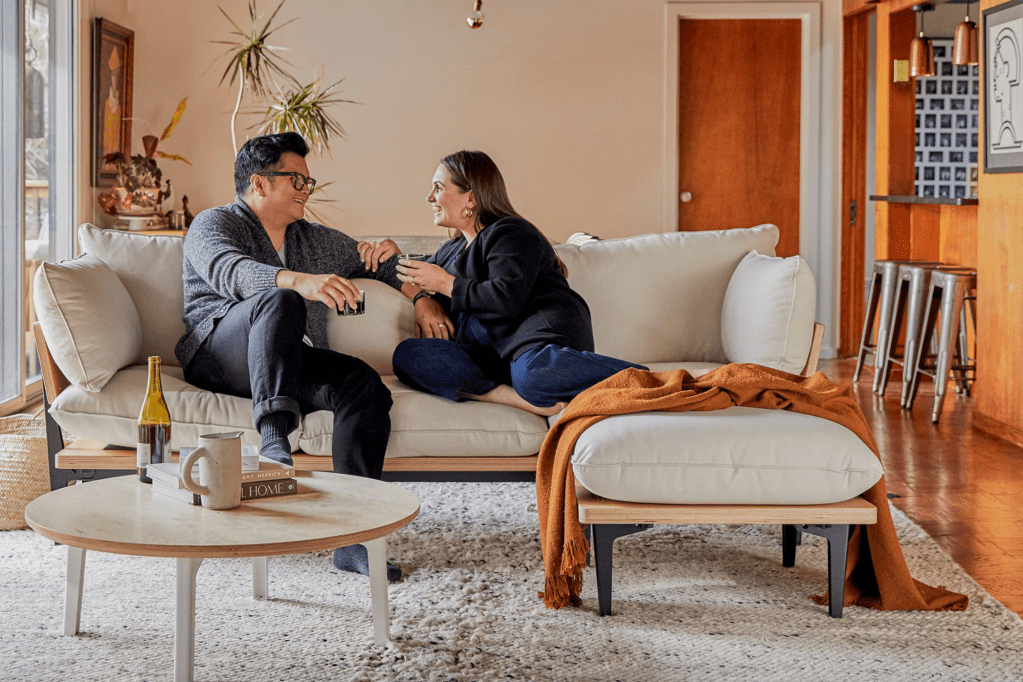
x,y
603,537
838,551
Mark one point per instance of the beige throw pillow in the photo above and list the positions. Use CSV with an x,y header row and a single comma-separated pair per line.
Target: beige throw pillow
x,y
90,323
768,314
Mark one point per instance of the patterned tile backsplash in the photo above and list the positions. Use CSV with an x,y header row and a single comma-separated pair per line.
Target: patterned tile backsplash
x,y
947,112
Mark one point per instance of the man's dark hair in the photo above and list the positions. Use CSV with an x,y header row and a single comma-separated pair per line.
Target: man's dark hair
x,y
264,153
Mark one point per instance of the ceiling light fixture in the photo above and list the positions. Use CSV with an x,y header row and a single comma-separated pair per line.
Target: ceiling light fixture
x,y
475,19
965,49
921,51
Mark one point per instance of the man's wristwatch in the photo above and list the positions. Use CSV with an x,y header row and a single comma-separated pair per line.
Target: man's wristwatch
x,y
419,294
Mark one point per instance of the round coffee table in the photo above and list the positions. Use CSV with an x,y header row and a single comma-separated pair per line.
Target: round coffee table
x,y
123,516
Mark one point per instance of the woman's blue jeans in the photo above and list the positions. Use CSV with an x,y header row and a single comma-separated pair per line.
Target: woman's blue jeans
x,y
256,351
542,376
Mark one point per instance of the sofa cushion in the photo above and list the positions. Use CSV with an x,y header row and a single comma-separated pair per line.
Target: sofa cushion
x,y
739,455
425,425
768,312
373,336
89,321
150,268
658,297
111,416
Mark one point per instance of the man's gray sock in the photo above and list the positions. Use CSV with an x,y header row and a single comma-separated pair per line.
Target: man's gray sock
x,y
354,559
274,430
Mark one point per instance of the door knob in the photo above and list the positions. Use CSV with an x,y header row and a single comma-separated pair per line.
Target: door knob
x,y
685,197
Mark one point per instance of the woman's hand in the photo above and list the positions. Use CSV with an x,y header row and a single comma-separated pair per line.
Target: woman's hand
x,y
372,254
433,278
331,290
431,322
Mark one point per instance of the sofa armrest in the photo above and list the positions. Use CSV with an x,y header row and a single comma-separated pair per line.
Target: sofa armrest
x,y
815,350
54,381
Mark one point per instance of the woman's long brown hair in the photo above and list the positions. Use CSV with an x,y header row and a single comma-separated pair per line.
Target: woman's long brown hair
x,y
472,170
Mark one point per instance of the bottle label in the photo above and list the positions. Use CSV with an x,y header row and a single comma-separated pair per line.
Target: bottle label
x,y
142,455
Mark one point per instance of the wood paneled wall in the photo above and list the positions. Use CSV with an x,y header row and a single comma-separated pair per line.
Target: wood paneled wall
x,y
999,294
895,157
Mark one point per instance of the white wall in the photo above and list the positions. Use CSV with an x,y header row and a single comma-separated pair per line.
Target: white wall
x,y
566,95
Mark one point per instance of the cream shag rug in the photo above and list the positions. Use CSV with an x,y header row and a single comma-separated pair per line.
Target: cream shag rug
x,y
691,603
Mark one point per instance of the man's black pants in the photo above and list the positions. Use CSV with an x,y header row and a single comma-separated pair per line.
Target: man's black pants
x,y
256,351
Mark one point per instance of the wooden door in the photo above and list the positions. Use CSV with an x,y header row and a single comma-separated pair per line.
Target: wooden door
x,y
854,183
739,92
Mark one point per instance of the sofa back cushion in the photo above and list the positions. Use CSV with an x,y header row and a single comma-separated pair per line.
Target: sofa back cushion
x,y
658,297
149,267
768,313
89,321
373,336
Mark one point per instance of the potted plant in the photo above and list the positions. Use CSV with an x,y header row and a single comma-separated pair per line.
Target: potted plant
x,y
137,189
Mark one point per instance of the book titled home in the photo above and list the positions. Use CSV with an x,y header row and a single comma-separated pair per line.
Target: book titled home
x,y
170,472
251,490
269,488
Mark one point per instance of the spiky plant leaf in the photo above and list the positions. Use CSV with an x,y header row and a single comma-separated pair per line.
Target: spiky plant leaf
x,y
304,111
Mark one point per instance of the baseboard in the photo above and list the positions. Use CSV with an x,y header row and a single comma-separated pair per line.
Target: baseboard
x,y
998,429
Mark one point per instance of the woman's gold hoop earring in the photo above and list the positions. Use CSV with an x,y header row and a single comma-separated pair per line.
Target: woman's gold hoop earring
x,y
468,212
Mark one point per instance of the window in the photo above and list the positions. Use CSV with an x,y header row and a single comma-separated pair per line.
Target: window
x,y
36,174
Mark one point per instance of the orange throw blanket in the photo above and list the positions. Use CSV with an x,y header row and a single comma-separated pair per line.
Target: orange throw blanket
x,y
876,572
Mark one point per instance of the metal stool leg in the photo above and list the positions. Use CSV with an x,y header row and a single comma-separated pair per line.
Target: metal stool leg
x,y
891,340
914,319
873,297
951,304
890,295
920,366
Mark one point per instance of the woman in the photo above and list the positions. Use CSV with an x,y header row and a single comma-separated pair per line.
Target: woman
x,y
496,317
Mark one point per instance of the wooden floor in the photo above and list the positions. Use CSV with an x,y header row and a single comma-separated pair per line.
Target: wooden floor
x,y
961,485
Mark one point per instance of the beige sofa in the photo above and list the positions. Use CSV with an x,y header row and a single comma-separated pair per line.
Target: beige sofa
x,y
692,300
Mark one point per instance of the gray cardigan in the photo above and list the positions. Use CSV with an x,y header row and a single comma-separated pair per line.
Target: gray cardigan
x,y
229,257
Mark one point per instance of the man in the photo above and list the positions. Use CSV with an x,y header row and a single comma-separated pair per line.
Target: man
x,y
259,283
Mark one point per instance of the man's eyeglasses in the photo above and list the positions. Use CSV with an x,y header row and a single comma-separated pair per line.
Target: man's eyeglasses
x,y
297,179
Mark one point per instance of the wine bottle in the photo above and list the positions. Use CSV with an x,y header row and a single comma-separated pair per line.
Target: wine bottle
x,y
154,425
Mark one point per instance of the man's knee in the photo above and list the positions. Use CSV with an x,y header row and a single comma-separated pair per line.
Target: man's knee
x,y
282,303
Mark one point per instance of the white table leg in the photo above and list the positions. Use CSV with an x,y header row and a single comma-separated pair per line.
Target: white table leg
x,y
377,551
184,619
260,584
73,590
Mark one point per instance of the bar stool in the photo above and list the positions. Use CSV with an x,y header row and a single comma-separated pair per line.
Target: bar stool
x,y
890,323
883,283
947,295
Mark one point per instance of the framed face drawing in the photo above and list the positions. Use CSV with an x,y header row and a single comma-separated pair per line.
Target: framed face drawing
x,y
1003,88
112,64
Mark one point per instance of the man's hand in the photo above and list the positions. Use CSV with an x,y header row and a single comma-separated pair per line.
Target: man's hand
x,y
431,322
372,254
329,289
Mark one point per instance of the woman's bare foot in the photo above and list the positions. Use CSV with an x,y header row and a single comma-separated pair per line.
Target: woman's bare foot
x,y
506,395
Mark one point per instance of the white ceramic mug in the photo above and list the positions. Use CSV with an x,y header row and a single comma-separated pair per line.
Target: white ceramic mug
x,y
220,469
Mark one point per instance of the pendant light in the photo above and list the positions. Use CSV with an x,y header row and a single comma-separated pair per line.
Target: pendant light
x,y
965,49
921,51
475,19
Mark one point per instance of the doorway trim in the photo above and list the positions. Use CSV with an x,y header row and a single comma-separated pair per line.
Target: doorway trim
x,y
820,147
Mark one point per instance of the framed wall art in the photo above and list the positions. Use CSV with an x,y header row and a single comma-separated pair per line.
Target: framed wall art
x,y
1003,88
112,65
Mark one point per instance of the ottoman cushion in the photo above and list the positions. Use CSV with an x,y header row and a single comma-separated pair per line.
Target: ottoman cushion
x,y
740,455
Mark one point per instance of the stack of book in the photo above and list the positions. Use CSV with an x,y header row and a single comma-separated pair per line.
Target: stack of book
x,y
269,480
